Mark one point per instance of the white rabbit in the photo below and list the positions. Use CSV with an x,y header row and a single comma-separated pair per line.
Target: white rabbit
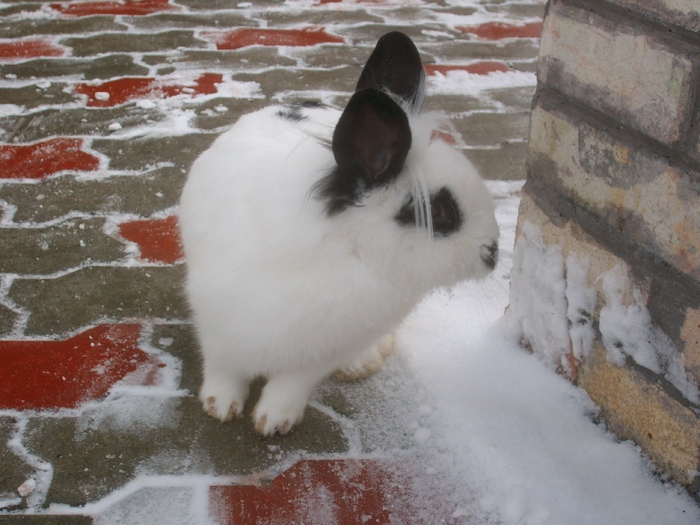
x,y
311,233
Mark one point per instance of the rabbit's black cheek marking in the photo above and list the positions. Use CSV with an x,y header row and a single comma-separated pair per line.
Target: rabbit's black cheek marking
x,y
446,215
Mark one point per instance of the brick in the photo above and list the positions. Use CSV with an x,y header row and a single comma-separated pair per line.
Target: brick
x,y
142,153
257,57
49,26
98,451
72,243
33,96
13,471
690,334
302,79
638,194
502,163
94,67
639,409
135,43
487,129
80,121
683,13
190,20
7,319
141,195
103,292
636,404
634,78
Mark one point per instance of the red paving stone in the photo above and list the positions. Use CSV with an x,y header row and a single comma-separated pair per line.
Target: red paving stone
x,y
158,239
477,68
128,8
115,92
24,49
48,375
500,30
343,492
248,36
443,136
39,160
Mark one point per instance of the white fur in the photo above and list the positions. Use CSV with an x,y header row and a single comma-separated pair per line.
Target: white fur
x,y
280,289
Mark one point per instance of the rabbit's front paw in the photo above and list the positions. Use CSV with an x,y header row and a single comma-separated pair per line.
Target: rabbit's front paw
x,y
222,400
281,404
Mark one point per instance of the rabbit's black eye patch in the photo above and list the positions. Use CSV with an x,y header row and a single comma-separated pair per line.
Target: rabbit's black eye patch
x,y
444,210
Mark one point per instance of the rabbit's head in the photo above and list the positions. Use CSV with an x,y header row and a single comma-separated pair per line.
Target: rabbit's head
x,y
416,205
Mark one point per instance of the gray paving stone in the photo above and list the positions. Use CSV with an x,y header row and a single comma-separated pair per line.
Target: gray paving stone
x,y
180,341
245,59
34,96
134,43
62,247
78,121
220,113
110,66
29,519
22,7
456,104
513,99
211,21
486,129
13,471
318,56
102,449
99,293
318,17
7,320
51,199
457,51
138,154
303,79
506,162
48,26
517,10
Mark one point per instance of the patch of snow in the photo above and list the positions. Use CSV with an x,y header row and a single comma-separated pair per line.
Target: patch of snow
x,y
464,83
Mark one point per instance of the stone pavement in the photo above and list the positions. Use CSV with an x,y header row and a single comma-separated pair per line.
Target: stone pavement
x,y
103,107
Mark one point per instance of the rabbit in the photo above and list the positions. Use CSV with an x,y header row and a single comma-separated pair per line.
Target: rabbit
x,y
310,233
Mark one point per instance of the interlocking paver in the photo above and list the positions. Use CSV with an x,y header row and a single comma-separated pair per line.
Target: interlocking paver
x,y
103,108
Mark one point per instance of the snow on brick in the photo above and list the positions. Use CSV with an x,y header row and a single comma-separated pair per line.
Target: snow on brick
x,y
48,375
158,239
25,49
39,160
115,92
501,30
477,68
248,36
140,8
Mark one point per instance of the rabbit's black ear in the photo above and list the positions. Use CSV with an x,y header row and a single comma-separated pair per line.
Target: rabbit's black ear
x,y
395,65
370,145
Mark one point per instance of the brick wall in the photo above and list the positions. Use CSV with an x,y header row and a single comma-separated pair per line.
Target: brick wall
x,y
606,276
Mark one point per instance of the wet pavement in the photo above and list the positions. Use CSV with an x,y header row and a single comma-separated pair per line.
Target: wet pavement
x,y
103,108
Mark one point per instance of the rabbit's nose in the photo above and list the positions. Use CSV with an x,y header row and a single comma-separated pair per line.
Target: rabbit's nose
x,y
489,254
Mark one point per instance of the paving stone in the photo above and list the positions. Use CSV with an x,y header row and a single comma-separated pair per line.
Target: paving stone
x,y
110,66
218,20
484,129
23,7
513,99
102,449
456,50
50,26
99,293
154,506
516,10
13,471
135,43
7,320
61,247
302,79
355,55
138,154
506,162
78,121
51,199
219,113
455,104
318,17
30,97
29,519
246,59
180,341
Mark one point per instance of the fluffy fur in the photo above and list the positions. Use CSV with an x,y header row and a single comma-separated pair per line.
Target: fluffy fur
x,y
281,288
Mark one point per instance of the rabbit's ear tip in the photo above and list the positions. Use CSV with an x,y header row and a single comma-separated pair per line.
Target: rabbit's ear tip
x,y
395,66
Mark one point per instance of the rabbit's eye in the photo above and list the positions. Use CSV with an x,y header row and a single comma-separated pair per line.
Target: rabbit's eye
x,y
447,217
